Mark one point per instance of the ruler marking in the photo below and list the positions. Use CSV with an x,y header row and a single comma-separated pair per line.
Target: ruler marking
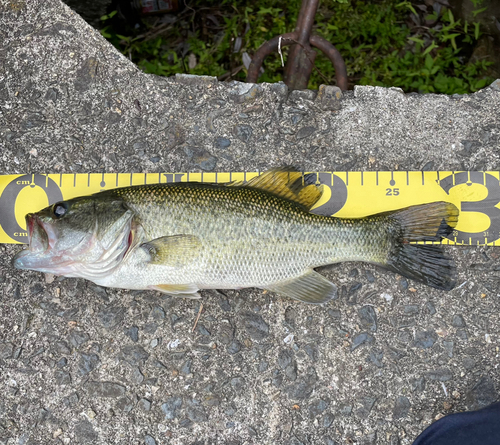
x,y
92,181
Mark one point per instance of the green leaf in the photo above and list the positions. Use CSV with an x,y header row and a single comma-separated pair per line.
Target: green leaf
x,y
450,37
408,5
476,30
480,84
416,40
108,16
430,48
450,16
104,33
478,11
429,61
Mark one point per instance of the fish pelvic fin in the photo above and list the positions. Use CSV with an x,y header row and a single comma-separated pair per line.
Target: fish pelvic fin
x,y
287,183
311,288
173,251
178,290
422,262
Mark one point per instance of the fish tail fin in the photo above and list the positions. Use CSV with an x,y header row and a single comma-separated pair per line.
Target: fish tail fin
x,y
423,262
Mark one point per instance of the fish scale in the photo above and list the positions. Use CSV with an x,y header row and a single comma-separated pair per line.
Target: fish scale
x,y
250,237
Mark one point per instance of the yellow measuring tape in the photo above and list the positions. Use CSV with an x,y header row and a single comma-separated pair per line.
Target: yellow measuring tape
x,y
347,194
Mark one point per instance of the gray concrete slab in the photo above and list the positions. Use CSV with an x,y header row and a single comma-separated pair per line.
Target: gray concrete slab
x,y
83,364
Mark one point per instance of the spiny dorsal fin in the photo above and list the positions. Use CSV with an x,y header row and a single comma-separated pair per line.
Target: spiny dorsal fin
x,y
287,184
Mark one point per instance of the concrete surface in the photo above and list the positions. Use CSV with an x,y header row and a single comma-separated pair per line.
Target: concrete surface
x,y
83,364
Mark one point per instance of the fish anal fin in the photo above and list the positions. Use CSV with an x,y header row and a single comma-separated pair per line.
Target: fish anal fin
x,y
174,251
310,288
286,183
178,290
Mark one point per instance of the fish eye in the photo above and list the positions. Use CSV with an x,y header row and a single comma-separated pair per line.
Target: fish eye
x,y
59,209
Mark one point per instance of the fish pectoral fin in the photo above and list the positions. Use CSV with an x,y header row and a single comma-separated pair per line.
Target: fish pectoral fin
x,y
173,251
178,290
310,288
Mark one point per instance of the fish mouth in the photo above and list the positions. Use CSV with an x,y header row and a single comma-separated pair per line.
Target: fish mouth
x,y
39,242
39,238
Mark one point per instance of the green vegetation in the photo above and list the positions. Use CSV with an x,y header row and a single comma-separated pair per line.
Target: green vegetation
x,y
386,43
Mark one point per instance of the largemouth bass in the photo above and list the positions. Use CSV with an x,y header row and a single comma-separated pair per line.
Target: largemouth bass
x,y
182,237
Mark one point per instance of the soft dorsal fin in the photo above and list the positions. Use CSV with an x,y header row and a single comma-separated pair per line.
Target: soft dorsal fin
x,y
288,184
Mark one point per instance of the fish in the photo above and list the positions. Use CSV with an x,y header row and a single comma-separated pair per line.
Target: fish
x,y
180,238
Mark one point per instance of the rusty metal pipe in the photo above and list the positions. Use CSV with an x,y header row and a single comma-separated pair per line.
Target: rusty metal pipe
x,y
300,61
305,20
335,57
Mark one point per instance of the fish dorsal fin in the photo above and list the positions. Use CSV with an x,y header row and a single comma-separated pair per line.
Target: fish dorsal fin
x,y
173,251
310,287
288,184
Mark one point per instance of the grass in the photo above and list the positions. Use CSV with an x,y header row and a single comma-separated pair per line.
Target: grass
x,y
387,43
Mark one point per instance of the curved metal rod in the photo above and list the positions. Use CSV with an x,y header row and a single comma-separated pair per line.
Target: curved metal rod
x,y
289,39
267,48
335,57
